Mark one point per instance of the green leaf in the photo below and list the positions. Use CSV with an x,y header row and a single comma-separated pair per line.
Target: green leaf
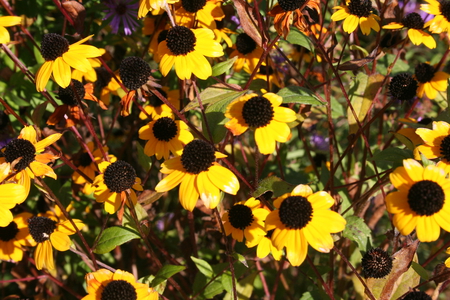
x,y
144,161
298,94
425,161
227,281
113,237
298,38
213,94
204,267
273,184
240,258
165,273
357,230
128,220
244,288
215,115
359,48
223,67
393,156
420,270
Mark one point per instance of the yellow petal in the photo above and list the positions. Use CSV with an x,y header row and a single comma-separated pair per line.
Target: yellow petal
x,y
61,72
43,75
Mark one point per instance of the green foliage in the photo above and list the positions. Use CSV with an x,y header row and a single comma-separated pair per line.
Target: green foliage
x,y
114,236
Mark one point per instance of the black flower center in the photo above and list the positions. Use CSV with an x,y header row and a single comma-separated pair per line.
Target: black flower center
x,y
376,263
41,228
68,96
403,86
9,232
295,212
445,9
240,216
265,70
426,198
85,159
198,156
119,290
119,176
193,6
162,36
53,46
360,8
245,44
424,72
291,5
134,72
103,78
257,112
20,148
121,9
154,101
165,129
180,40
418,295
445,148
413,20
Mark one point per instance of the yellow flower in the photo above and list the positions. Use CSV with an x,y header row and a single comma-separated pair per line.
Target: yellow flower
x,y
10,195
447,261
115,181
186,49
156,108
87,165
440,23
246,219
103,283
247,51
430,80
265,115
193,11
147,5
60,57
266,246
415,23
7,21
422,200
303,218
50,230
357,12
15,236
199,174
222,33
165,135
436,141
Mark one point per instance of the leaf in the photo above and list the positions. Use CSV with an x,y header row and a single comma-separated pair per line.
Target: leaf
x,y
240,258
394,156
223,67
363,91
298,94
203,266
165,273
248,20
274,184
213,94
128,220
298,38
420,270
244,288
355,64
357,230
227,281
77,12
148,197
404,140
38,112
113,237
215,115
144,161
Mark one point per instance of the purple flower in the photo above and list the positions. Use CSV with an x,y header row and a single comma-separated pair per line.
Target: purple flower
x,y
122,11
319,142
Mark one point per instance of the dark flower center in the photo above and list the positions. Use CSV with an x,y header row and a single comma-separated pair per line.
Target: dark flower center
x,y
445,148
154,101
360,8
295,212
376,263
198,156
426,198
193,6
85,159
53,46
68,96
445,9
165,129
121,9
291,5
265,70
245,44
162,36
119,290
9,232
424,72
257,112
419,295
119,176
240,216
413,20
134,72
403,86
220,24
181,40
20,148
103,78
41,228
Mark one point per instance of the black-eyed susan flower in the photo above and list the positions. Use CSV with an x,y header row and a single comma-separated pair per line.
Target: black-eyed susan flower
x,y
15,236
157,38
431,81
23,156
246,219
91,74
247,51
263,114
436,141
403,86
134,72
60,57
88,164
421,201
51,230
156,107
415,25
357,12
7,21
104,284
199,174
417,295
441,11
147,5
266,247
186,49
299,13
303,218
115,181
222,33
376,263
165,135
10,195
205,13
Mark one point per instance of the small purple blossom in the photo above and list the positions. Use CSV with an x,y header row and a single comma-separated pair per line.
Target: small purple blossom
x,y
319,142
122,11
